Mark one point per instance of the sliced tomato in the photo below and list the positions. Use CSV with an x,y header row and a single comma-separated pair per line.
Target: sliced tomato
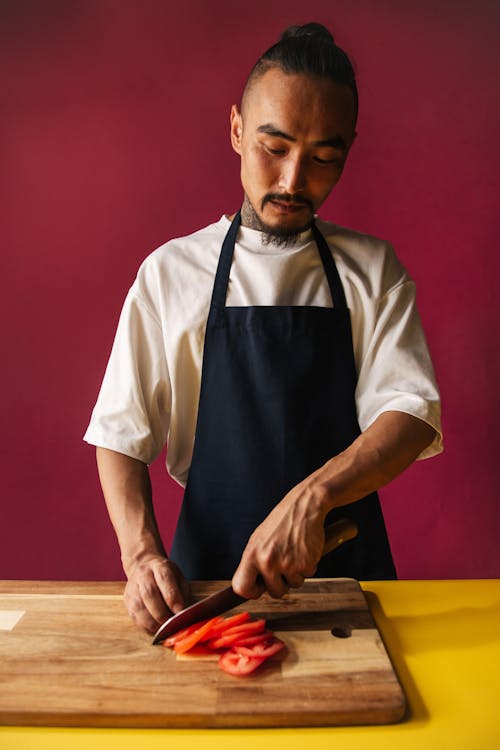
x,y
191,639
238,664
229,622
223,641
201,649
233,635
251,640
245,643
262,650
217,628
172,639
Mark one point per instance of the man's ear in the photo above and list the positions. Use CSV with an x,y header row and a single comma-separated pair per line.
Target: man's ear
x,y
236,128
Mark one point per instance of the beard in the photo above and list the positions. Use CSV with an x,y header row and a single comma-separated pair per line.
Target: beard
x,y
277,236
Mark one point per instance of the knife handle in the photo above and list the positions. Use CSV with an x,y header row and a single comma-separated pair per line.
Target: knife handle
x,y
337,533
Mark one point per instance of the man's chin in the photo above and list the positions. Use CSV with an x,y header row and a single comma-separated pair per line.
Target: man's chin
x,y
283,233
280,234
287,225
278,225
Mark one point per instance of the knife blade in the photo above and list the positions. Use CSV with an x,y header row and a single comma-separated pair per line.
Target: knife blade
x,y
216,604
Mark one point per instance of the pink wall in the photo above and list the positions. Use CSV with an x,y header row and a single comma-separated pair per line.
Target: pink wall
x,y
114,138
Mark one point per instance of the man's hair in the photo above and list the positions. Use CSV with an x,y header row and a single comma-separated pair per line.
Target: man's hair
x,y
309,49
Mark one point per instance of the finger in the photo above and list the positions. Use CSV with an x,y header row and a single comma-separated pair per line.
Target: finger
x,y
152,599
294,581
310,570
246,581
143,619
139,613
276,585
169,581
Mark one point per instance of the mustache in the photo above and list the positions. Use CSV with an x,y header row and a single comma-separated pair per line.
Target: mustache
x,y
287,198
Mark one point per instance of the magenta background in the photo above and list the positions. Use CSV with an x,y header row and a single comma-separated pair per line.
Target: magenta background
x,y
114,137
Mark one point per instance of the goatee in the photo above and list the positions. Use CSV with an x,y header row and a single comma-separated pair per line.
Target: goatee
x,y
277,236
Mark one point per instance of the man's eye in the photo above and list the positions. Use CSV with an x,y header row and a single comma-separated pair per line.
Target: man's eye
x,y
274,151
321,160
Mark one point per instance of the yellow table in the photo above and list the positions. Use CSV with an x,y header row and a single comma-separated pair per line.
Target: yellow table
x,y
444,640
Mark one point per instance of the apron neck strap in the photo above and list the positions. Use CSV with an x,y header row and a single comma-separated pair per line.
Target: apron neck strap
x,y
226,258
223,269
332,275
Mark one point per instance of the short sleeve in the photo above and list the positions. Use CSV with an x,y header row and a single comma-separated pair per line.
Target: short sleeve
x,y
396,373
132,412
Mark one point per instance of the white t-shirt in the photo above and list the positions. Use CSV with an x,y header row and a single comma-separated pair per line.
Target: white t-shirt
x,y
150,392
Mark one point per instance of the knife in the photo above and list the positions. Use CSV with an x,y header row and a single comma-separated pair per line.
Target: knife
x,y
335,534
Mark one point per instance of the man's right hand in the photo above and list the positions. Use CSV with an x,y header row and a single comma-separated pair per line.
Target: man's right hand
x,y
156,587
155,590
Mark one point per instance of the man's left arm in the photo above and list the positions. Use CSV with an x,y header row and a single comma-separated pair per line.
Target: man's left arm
x,y
287,546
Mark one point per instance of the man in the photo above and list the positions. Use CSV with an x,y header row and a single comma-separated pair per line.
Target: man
x,y
256,347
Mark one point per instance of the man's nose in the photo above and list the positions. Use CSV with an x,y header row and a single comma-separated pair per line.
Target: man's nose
x,y
293,175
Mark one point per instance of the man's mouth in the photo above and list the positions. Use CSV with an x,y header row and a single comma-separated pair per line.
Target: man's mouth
x,y
287,205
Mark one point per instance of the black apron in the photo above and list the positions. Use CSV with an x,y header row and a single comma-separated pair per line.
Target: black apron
x,y
276,403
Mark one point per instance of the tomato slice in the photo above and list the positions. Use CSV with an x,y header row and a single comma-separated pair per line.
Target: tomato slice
x,y
172,639
229,622
245,643
201,649
238,664
251,640
191,639
217,628
262,650
233,635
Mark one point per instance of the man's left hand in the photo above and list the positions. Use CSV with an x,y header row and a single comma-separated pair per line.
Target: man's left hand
x,y
286,547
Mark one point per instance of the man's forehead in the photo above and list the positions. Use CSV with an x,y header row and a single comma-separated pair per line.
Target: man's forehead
x,y
298,99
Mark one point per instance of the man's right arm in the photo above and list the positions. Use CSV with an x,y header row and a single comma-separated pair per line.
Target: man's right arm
x,y
155,587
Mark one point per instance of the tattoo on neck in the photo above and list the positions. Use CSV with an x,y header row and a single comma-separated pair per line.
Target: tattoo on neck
x,y
248,216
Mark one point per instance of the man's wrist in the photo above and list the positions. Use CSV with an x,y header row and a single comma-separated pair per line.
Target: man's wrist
x,y
140,554
317,493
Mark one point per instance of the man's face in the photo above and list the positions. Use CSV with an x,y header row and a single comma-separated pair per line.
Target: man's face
x,y
293,135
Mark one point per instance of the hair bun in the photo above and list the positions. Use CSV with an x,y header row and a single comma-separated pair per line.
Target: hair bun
x,y
308,29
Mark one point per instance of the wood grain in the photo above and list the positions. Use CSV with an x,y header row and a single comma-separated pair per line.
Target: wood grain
x,y
75,659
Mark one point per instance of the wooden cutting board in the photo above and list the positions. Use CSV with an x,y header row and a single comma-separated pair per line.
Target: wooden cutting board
x,y
70,656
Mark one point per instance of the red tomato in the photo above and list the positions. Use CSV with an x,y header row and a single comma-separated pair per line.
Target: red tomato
x,y
254,626
191,639
251,640
233,635
201,649
238,664
172,639
262,650
216,629
246,643
229,622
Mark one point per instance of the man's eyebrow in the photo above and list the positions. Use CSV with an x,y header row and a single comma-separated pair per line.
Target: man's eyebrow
x,y
273,130
337,142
